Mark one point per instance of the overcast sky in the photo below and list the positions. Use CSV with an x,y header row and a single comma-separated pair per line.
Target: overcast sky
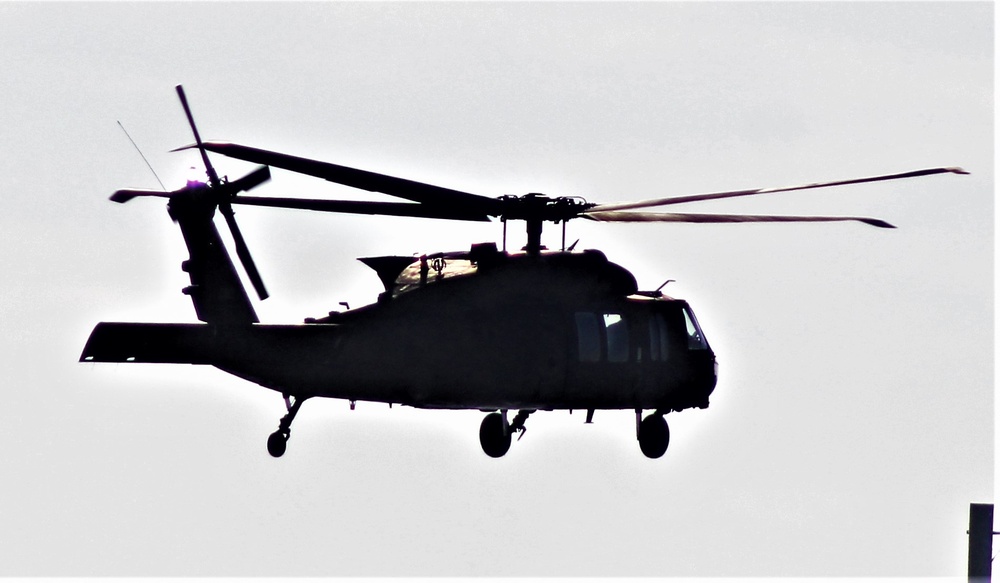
x,y
853,420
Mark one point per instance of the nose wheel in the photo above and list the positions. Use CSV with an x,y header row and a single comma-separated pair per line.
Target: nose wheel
x,y
277,442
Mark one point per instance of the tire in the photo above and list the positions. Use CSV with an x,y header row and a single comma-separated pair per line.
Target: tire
x,y
491,436
654,436
276,444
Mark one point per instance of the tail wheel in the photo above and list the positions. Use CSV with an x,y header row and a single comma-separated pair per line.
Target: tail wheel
x,y
276,444
492,437
654,436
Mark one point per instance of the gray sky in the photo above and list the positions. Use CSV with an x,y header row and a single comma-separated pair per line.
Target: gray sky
x,y
853,421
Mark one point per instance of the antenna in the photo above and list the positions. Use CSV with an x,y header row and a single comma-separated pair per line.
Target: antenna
x,y
148,165
664,284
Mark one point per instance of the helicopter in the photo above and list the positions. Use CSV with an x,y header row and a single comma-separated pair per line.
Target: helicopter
x,y
483,329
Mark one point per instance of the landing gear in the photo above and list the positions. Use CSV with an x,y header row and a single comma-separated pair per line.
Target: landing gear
x,y
495,432
277,442
654,435
493,436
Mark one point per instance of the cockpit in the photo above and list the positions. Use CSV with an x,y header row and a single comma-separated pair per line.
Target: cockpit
x,y
643,331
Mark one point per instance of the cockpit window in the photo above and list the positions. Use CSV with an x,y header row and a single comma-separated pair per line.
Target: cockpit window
x,y
696,340
617,336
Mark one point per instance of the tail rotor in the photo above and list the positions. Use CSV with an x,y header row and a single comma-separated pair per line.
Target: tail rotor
x,y
221,193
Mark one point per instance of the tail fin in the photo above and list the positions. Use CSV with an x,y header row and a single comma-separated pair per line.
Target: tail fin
x,y
216,290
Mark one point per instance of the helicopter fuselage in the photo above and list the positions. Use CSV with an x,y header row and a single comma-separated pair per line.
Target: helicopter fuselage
x,y
555,331
551,332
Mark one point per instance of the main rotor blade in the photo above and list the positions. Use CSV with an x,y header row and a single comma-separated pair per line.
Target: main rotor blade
x,y
212,176
397,209
243,252
644,217
733,193
363,179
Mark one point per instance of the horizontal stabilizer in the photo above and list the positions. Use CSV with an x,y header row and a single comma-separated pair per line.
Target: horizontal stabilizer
x,y
205,343
170,343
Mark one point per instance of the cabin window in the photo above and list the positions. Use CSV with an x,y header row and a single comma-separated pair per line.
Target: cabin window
x,y
696,340
602,335
617,337
659,342
588,337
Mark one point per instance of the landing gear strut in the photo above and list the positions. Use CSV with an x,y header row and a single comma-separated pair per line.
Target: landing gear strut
x,y
495,432
653,434
277,442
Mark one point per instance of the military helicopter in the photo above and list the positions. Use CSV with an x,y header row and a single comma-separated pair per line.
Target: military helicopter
x,y
480,329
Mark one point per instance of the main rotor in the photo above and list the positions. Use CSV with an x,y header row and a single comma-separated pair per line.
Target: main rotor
x,y
534,208
430,201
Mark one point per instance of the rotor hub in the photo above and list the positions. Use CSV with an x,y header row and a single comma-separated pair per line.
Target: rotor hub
x,y
539,207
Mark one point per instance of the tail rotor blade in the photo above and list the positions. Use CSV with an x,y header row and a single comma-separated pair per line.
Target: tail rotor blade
x,y
126,194
243,252
248,182
259,176
212,176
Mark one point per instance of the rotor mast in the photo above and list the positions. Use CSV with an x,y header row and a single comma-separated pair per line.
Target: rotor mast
x,y
534,246
534,209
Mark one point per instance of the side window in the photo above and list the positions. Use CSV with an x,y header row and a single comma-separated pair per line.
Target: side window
x,y
617,337
659,343
588,337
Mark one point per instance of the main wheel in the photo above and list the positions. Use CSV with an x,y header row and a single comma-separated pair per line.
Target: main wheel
x,y
276,444
492,436
654,436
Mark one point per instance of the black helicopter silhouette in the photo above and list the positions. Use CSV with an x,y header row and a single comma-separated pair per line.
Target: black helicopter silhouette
x,y
483,329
